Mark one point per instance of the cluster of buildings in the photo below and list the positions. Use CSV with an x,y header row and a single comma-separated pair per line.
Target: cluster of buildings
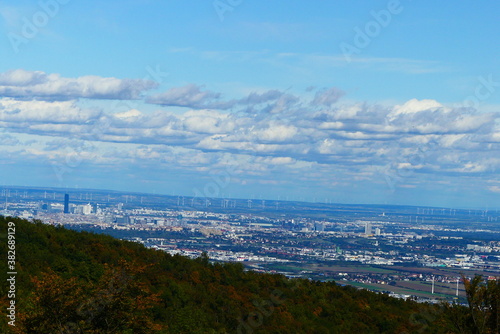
x,y
291,245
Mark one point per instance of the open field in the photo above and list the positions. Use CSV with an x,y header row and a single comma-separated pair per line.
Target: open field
x,y
444,271
362,269
327,269
398,276
419,290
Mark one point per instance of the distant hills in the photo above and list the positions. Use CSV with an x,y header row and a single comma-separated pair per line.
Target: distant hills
x,y
78,282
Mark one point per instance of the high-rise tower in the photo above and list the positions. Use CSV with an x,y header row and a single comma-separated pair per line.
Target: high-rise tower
x,y
66,203
368,228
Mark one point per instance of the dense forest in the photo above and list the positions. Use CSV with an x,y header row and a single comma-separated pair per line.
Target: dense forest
x,y
79,282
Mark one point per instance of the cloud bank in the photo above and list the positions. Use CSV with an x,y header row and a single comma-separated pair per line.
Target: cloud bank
x,y
267,136
37,85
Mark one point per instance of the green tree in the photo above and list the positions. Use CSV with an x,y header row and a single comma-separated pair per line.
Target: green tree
x,y
482,315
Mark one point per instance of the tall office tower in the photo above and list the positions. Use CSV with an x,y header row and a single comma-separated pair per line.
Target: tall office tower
x,y
66,203
368,228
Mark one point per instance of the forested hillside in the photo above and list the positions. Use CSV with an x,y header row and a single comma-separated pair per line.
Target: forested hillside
x,y
77,282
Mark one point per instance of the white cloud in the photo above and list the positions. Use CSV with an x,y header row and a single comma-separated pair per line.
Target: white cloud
x,y
495,189
327,97
129,114
276,133
190,96
257,98
331,125
42,86
414,106
32,112
205,121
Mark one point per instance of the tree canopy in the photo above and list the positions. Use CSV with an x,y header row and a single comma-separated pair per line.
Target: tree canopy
x,y
79,282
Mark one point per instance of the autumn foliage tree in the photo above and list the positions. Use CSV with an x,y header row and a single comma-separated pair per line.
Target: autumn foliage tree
x,y
115,304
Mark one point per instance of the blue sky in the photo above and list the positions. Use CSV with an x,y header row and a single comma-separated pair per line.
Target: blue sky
x,y
369,102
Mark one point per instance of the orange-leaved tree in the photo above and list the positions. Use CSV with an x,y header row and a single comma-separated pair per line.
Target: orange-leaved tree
x,y
118,302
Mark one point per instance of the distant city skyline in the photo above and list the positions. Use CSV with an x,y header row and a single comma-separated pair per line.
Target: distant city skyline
x,y
96,197
389,102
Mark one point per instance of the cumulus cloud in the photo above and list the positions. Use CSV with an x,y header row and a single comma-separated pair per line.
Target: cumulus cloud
x,y
37,85
209,122
190,96
196,97
327,97
257,98
269,102
414,107
431,117
31,112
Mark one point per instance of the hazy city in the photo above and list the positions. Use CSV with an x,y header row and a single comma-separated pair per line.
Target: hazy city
x,y
397,249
